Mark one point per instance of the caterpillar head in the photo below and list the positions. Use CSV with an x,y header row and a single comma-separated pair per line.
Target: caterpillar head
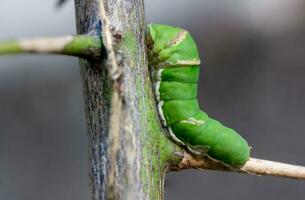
x,y
171,46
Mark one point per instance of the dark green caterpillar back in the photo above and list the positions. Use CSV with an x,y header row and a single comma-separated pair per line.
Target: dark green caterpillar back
x,y
175,63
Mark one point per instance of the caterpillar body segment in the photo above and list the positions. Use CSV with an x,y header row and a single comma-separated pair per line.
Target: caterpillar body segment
x,y
174,61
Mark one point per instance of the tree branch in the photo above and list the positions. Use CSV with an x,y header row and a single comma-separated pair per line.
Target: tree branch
x,y
84,46
127,151
253,166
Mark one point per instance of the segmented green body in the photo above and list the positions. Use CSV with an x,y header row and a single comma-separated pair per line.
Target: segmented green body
x,y
174,60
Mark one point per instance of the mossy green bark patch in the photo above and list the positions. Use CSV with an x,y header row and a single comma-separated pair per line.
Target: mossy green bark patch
x,y
129,42
157,148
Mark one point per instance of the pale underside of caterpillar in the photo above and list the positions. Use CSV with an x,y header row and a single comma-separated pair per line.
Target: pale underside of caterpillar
x,y
174,62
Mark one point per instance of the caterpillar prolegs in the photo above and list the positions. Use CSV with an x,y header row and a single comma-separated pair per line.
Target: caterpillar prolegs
x,y
174,62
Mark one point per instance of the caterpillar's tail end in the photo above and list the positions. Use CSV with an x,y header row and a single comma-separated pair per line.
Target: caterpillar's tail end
x,y
233,151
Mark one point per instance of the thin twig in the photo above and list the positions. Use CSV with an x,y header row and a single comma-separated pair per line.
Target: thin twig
x,y
266,167
252,166
84,46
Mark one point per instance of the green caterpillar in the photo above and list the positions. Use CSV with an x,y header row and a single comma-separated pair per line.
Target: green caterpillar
x,y
174,61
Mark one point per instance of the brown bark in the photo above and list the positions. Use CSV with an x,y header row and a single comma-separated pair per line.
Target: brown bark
x,y
127,150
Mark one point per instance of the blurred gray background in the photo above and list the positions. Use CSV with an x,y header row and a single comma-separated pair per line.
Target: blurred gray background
x,y
252,79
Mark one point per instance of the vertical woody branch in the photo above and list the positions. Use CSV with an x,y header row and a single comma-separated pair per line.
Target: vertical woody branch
x,y
127,150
